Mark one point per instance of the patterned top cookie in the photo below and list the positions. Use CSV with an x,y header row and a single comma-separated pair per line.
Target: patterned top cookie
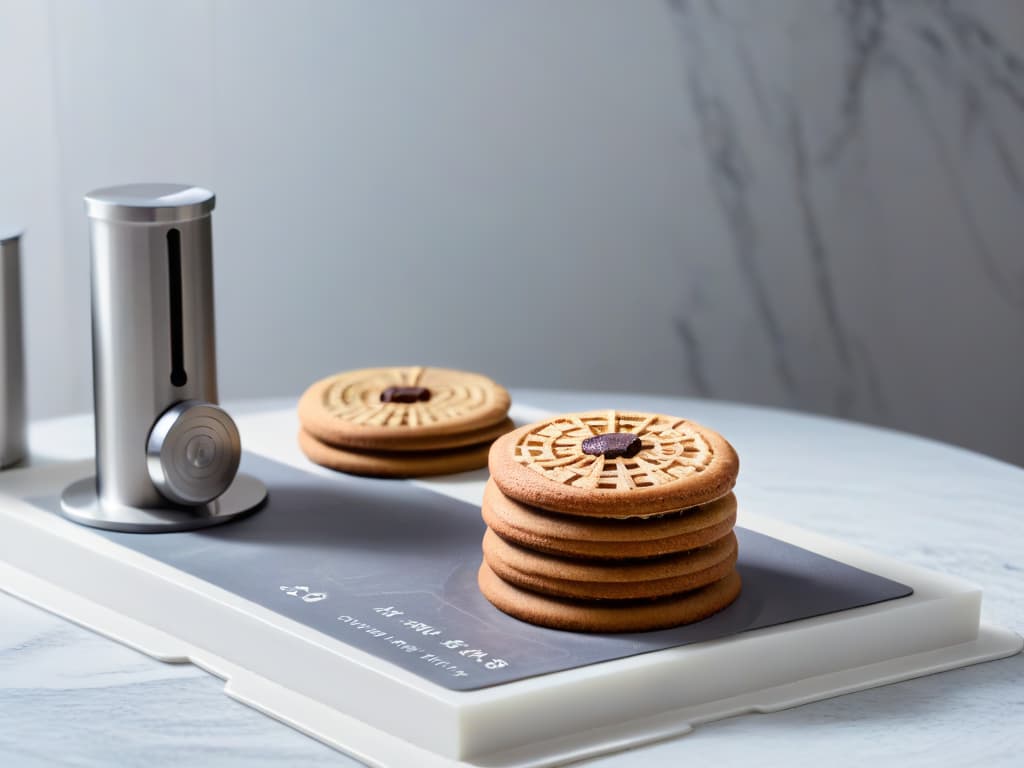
x,y
614,464
412,408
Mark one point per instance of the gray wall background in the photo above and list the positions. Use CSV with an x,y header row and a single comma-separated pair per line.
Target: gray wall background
x,y
817,205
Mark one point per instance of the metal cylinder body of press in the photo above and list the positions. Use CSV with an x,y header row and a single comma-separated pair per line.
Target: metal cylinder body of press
x,y
12,353
152,324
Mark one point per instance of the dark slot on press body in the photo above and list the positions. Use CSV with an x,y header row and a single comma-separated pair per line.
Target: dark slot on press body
x,y
179,377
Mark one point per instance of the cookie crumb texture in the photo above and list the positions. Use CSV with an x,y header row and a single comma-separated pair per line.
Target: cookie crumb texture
x,y
611,521
552,464
669,449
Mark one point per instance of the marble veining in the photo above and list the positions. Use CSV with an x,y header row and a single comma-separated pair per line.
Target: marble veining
x,y
730,175
800,109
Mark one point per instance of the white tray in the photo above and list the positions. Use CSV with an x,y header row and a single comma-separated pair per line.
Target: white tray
x,y
385,715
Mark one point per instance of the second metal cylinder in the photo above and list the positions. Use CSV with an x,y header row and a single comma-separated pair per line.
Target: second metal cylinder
x,y
12,352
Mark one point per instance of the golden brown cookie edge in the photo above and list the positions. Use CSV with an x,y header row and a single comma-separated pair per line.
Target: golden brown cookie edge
x,y
543,565
580,616
611,538
393,464
608,590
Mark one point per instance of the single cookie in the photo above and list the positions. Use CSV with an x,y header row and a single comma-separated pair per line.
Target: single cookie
x,y
404,409
614,464
605,580
445,442
612,538
393,463
582,616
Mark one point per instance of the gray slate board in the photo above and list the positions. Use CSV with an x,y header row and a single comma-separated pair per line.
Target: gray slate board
x,y
390,568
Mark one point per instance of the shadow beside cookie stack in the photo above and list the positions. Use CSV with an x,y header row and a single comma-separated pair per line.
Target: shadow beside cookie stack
x,y
403,421
610,521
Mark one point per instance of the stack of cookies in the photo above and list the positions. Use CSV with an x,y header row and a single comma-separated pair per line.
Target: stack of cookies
x,y
610,521
402,422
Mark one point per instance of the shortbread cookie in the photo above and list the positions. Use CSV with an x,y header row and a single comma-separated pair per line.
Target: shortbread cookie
x,y
404,409
609,580
393,463
631,616
613,464
612,538
445,442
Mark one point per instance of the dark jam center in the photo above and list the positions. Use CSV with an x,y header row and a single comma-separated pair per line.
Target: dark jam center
x,y
612,445
405,395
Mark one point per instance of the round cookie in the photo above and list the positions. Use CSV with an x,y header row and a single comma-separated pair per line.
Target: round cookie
x,y
393,463
611,538
444,442
411,408
581,616
629,580
613,464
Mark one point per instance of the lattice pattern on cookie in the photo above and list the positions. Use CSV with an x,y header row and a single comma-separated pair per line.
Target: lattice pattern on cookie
x,y
355,396
672,449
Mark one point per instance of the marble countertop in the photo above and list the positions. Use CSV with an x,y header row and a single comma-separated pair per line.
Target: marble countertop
x,y
70,697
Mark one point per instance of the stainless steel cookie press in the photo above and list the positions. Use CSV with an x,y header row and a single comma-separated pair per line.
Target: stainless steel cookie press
x,y
167,455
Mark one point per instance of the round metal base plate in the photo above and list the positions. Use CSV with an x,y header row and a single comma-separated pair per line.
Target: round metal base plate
x,y
80,503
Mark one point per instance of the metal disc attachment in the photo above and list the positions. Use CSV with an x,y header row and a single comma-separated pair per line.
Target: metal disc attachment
x,y
193,452
80,503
